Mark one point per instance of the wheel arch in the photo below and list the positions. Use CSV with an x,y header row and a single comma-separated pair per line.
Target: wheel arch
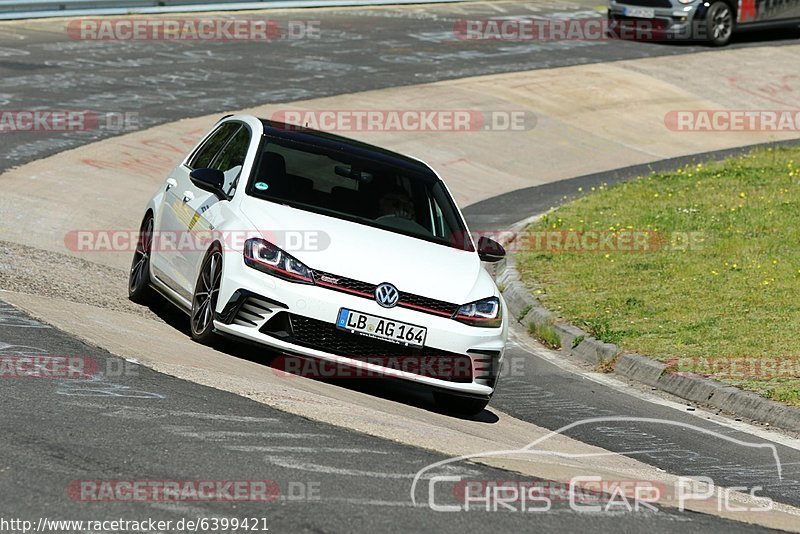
x,y
702,10
215,246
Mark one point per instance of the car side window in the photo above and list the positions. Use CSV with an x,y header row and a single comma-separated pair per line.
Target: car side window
x,y
205,155
231,159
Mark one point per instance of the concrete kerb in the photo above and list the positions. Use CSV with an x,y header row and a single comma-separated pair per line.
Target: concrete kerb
x,y
526,309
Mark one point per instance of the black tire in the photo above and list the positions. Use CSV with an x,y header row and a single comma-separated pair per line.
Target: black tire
x,y
459,405
204,300
139,290
610,31
720,22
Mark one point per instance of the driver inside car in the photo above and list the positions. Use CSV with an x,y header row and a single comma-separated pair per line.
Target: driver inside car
x,y
396,203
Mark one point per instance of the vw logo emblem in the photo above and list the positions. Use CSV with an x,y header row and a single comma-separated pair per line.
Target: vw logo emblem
x,y
387,295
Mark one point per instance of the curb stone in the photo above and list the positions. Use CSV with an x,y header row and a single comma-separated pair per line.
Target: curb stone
x,y
637,367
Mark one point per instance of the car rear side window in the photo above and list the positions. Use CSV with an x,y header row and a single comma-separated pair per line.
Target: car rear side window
x,y
205,155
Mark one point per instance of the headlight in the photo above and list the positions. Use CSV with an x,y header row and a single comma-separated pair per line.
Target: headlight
x,y
486,313
266,257
686,1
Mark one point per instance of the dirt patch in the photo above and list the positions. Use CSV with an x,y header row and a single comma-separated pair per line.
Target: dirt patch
x,y
34,271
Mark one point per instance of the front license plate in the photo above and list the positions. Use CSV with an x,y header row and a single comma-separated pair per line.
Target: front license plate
x,y
381,328
640,12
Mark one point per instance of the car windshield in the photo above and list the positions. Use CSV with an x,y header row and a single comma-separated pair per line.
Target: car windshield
x,y
364,191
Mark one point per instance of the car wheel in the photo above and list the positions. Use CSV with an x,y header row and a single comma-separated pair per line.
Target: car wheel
x,y
139,289
609,32
204,300
458,404
719,23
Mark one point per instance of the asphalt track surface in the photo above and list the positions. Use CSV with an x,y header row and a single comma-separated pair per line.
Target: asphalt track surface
x,y
41,67
140,425
144,425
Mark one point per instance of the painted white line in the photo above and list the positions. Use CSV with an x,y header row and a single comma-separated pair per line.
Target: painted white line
x,y
224,417
221,435
328,470
369,502
261,448
143,414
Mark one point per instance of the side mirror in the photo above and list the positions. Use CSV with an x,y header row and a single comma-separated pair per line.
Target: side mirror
x,y
210,180
490,250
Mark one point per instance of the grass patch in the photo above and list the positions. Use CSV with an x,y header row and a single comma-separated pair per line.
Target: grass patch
x,y
601,328
523,312
720,277
546,334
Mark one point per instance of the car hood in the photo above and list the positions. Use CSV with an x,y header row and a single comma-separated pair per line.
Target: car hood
x,y
352,250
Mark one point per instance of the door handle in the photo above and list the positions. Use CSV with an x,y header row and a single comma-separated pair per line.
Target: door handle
x,y
171,182
187,196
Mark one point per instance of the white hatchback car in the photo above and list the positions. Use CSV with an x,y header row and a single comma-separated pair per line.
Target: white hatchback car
x,y
326,250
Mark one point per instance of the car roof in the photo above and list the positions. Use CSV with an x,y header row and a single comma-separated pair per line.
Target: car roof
x,y
300,134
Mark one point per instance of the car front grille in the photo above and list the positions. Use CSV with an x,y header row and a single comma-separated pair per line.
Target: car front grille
x,y
323,336
647,3
367,290
636,27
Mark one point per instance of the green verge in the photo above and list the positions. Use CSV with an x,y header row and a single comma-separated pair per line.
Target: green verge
x,y
718,283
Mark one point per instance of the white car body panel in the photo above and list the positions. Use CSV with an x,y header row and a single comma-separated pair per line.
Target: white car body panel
x,y
374,255
349,249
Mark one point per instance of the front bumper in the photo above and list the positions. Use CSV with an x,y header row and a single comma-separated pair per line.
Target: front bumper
x,y
251,303
674,22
